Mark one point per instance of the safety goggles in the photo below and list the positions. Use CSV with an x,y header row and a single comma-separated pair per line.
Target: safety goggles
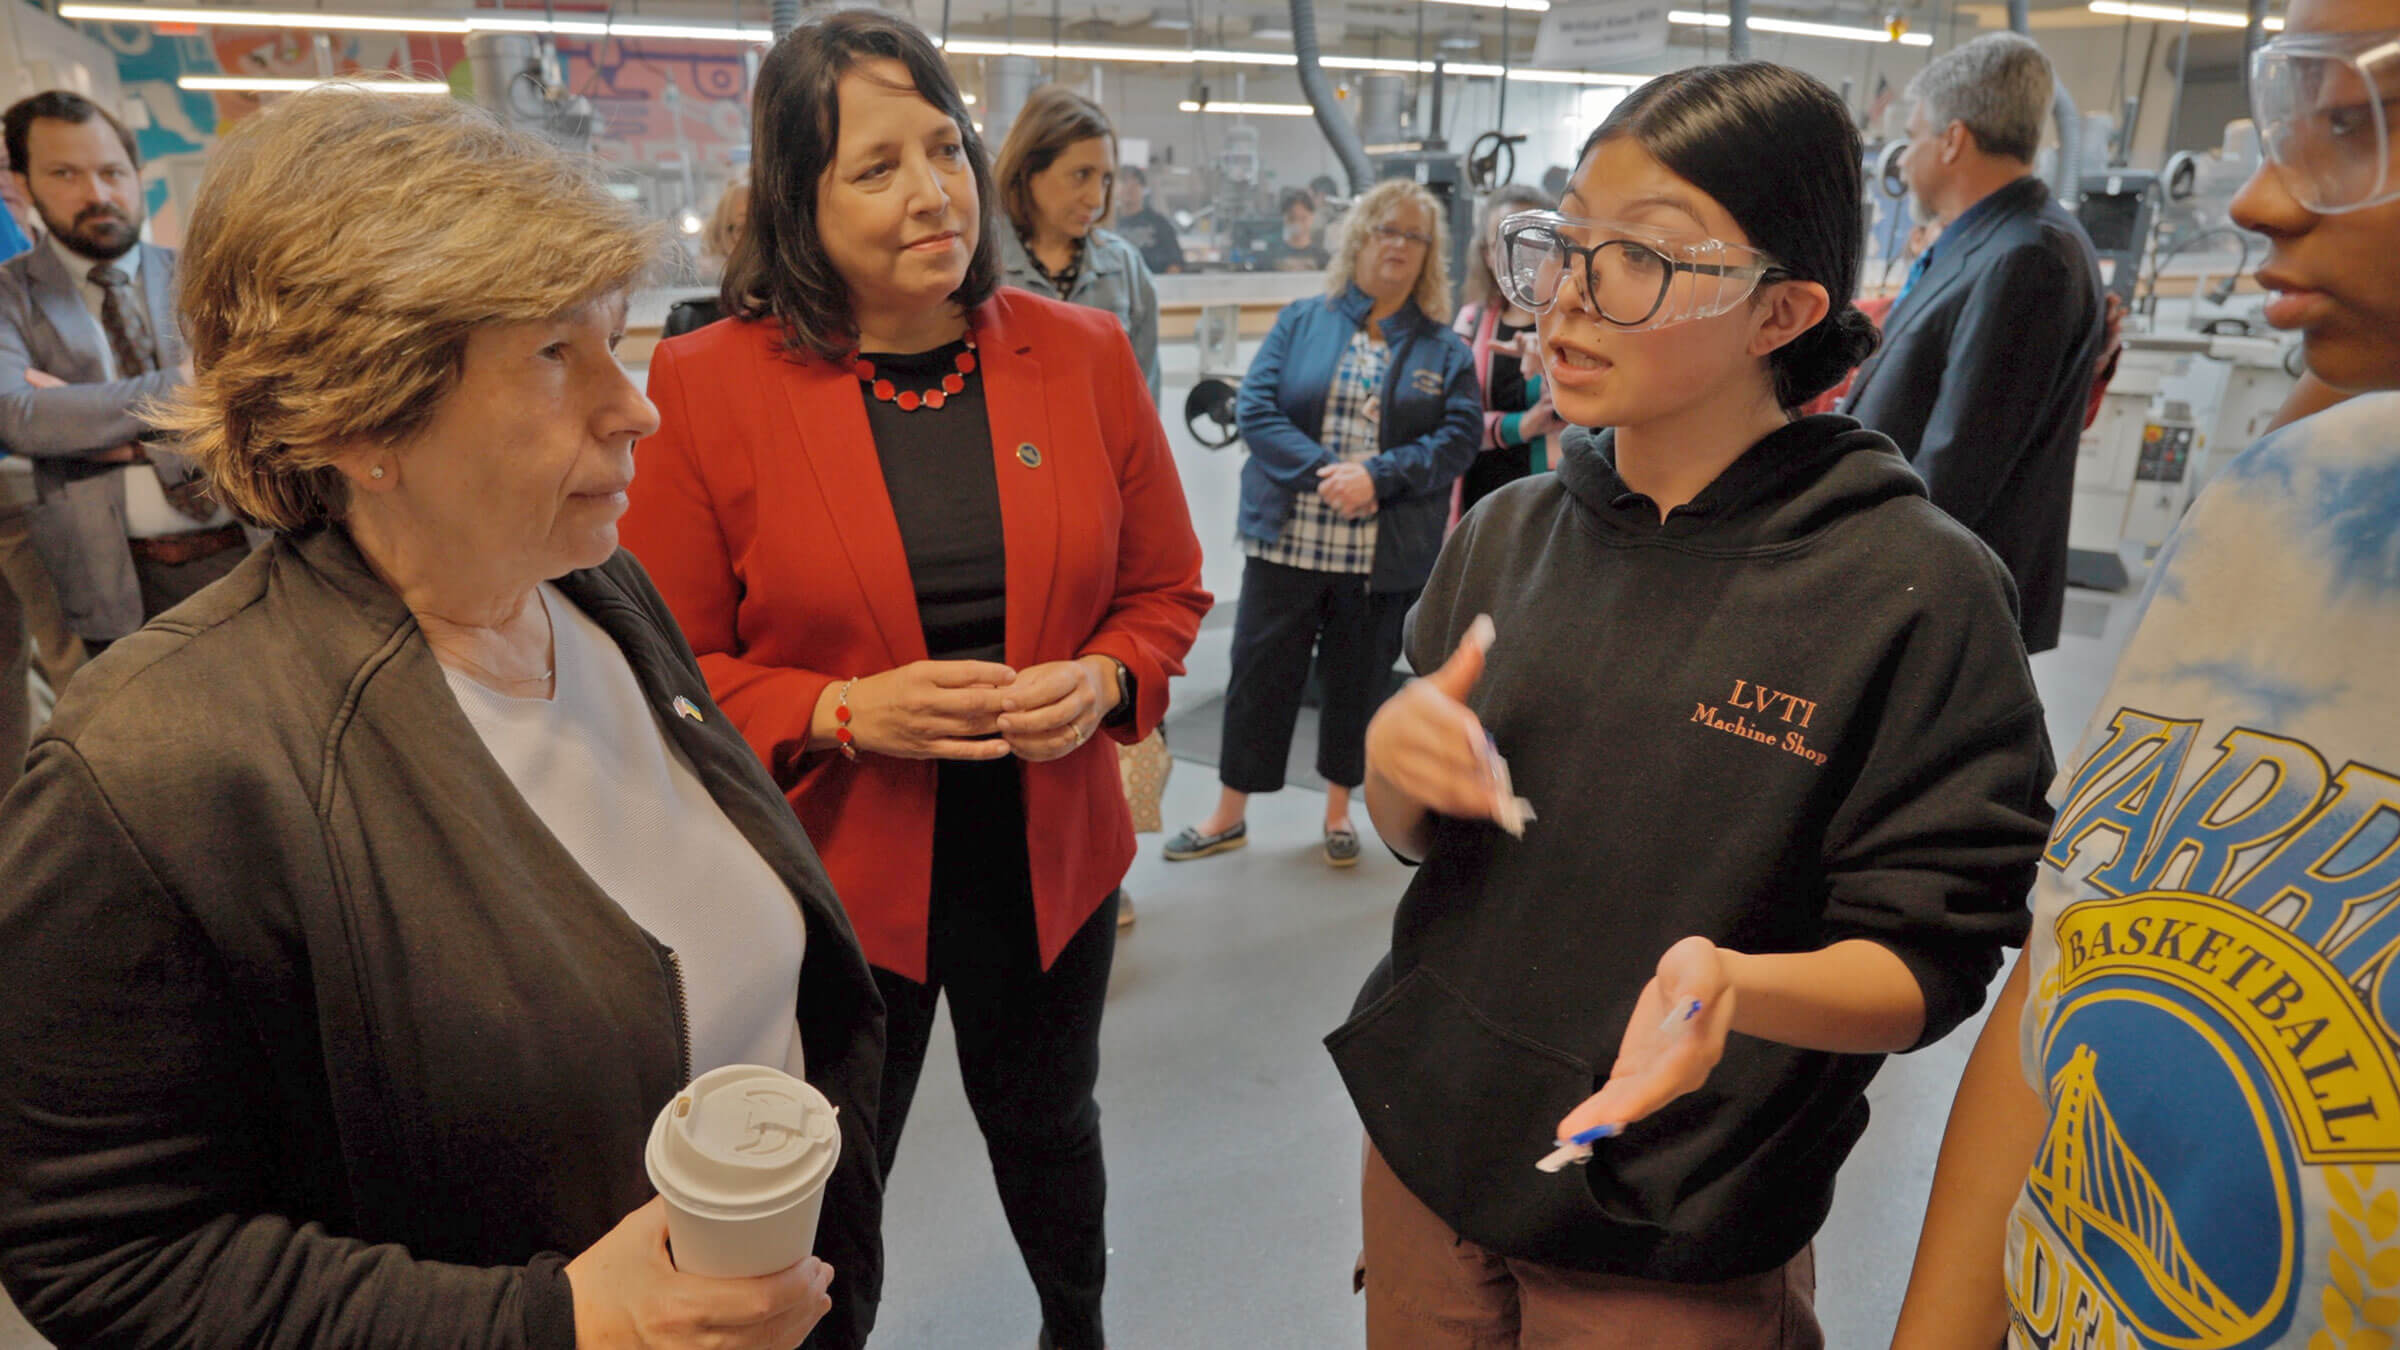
x,y
1632,277
2324,104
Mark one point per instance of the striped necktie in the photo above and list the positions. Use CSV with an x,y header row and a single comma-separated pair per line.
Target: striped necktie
x,y
135,345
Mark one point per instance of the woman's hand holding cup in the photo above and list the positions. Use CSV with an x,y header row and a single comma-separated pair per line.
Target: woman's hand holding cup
x,y
629,1296
926,710
1052,709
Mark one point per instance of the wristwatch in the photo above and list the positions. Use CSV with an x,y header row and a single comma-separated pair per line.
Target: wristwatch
x,y
1123,712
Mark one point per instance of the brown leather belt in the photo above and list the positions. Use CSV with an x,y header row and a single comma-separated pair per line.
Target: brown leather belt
x,y
176,549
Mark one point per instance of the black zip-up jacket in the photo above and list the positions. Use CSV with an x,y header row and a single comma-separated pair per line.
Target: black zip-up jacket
x,y
313,1034
1793,713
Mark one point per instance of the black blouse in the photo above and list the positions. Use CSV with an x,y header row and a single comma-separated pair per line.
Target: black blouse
x,y
1505,391
937,466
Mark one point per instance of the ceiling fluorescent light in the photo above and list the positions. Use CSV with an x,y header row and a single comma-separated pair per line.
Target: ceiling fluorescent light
x,y
489,23
480,22
1073,51
258,84
1563,77
261,18
1532,6
1797,28
2213,18
1181,56
1251,109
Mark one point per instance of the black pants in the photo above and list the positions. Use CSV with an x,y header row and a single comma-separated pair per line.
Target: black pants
x,y
1028,1042
1284,613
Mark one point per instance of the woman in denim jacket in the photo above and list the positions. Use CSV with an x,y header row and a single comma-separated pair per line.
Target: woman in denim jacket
x,y
1359,411
1057,173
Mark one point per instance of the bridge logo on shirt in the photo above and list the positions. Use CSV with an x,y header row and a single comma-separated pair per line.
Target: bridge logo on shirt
x,y
2219,1039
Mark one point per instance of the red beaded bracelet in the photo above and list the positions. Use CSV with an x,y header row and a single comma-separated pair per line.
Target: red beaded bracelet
x,y
842,738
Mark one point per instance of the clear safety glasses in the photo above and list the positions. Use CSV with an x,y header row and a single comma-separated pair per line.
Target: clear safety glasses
x,y
1632,277
2324,104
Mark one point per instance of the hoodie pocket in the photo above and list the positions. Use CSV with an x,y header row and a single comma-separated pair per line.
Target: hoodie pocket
x,y
1461,1107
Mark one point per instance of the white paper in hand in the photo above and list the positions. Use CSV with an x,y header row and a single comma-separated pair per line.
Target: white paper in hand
x,y
1513,813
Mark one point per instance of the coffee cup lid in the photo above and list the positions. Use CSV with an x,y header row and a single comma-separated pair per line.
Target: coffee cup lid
x,y
743,1139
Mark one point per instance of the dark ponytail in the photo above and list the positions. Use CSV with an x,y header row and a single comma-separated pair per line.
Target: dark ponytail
x,y
1824,356
1778,150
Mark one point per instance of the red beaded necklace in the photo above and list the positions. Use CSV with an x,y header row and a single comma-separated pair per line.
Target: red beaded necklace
x,y
910,399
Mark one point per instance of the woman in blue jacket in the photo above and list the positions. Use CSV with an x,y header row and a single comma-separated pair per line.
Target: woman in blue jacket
x,y
1360,410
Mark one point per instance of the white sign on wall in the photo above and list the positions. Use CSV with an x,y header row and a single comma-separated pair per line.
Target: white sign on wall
x,y
1598,34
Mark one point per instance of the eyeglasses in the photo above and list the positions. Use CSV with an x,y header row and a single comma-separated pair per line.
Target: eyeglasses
x,y
2324,106
1632,277
1393,234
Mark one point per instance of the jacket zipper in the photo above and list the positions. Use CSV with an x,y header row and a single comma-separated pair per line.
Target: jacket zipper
x,y
683,1018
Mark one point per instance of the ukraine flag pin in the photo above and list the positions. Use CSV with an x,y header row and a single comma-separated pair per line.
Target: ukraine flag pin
x,y
685,707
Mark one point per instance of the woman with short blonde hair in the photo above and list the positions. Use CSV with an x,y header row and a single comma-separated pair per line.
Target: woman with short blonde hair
x,y
1370,221
1360,410
318,319
361,914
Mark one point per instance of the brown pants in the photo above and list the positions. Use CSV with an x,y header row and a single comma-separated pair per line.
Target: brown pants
x,y
1428,1288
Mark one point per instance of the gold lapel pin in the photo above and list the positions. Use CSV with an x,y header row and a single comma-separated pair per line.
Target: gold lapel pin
x,y
1029,455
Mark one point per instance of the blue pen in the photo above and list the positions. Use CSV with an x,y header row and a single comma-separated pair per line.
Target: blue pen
x,y
1578,1148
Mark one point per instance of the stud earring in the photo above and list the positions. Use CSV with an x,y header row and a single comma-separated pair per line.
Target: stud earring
x,y
376,472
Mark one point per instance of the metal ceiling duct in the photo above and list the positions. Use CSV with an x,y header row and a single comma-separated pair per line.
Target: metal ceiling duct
x,y
1380,100
1336,127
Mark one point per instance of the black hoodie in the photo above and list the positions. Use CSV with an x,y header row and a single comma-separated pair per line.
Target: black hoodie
x,y
1794,712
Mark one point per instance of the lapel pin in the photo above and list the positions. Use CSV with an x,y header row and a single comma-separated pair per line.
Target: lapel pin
x,y
1029,455
685,707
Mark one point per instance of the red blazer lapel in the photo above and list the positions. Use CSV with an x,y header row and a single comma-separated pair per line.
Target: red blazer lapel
x,y
830,416
1029,460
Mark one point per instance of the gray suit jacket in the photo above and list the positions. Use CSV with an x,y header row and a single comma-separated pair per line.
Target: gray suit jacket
x,y
79,520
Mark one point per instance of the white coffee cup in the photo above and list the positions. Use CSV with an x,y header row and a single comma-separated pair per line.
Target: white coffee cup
x,y
741,1157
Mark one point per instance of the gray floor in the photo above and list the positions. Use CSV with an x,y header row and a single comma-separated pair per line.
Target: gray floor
x,y
1232,1151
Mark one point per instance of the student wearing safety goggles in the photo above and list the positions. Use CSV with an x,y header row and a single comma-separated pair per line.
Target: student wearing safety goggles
x,y
2181,1126
1770,705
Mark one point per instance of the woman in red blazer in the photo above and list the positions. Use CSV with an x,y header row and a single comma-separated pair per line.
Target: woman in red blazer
x,y
926,539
